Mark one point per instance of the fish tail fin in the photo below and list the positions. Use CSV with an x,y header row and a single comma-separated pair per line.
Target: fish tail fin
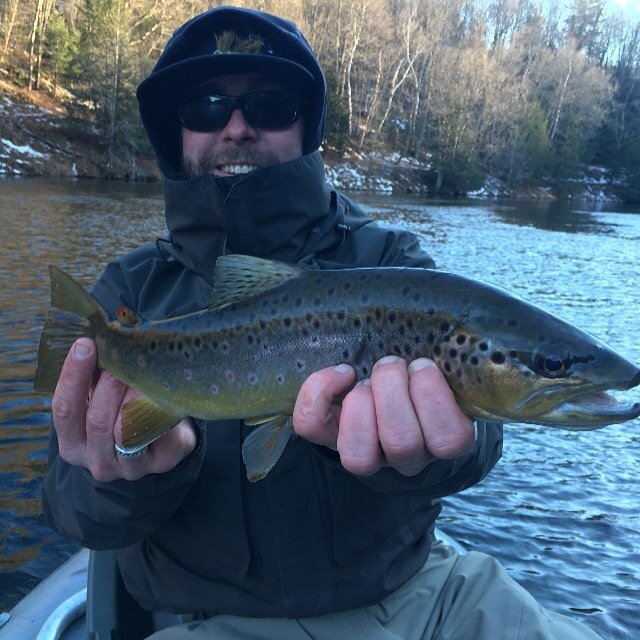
x,y
62,328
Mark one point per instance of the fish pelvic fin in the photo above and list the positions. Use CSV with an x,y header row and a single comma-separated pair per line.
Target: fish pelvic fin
x,y
144,421
239,277
68,321
263,447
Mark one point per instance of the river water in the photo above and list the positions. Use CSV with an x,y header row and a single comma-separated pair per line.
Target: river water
x,y
561,510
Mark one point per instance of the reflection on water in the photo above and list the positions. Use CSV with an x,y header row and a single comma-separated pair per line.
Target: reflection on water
x,y
562,509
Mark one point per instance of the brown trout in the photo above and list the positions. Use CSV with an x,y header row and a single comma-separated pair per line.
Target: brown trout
x,y
271,325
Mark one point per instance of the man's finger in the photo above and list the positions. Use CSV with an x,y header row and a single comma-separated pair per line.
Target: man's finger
x,y
69,403
447,431
358,444
399,430
313,416
102,414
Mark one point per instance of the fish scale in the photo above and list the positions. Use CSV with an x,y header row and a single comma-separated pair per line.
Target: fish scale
x,y
271,325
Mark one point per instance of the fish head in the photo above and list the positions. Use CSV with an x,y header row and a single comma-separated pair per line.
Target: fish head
x,y
530,366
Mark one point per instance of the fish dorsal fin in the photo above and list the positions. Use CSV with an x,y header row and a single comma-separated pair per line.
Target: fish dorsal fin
x,y
239,277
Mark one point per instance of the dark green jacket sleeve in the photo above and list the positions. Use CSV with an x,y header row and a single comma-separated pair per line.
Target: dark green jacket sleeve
x,y
110,515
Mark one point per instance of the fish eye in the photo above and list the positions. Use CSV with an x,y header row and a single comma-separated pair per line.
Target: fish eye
x,y
552,365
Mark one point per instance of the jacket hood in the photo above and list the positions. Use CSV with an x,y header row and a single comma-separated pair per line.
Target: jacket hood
x,y
284,212
194,55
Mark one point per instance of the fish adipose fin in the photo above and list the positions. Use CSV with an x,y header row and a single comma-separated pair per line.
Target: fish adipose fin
x,y
238,277
62,328
144,421
263,447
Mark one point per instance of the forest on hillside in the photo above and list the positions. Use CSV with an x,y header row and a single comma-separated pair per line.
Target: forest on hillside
x,y
520,89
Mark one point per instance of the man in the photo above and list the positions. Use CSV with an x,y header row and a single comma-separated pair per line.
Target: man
x,y
333,542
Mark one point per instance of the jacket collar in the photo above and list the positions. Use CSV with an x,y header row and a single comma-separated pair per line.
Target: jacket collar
x,y
286,212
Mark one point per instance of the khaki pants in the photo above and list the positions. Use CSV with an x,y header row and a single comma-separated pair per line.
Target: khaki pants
x,y
453,597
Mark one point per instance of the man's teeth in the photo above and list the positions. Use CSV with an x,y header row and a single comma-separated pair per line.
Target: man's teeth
x,y
238,168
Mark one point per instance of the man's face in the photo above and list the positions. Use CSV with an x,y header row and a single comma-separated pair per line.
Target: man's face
x,y
239,148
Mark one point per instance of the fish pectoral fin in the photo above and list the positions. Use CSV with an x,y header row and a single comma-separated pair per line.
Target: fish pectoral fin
x,y
144,421
263,447
239,277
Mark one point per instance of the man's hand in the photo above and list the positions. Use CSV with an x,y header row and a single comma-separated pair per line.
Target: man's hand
x,y
402,417
86,417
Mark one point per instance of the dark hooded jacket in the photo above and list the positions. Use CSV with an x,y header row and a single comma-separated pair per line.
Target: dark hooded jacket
x,y
310,538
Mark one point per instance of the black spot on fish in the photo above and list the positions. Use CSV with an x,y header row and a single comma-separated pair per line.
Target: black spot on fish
x,y
444,327
474,361
345,354
391,317
461,339
263,324
431,338
250,339
305,332
331,291
152,345
378,314
300,364
308,317
407,350
396,350
447,366
368,319
463,357
430,312
347,286
179,346
197,343
340,315
314,339
409,323
369,336
406,291
287,322
437,350
513,354
356,322
213,345
316,302
225,346
447,339
380,345
401,330
365,371
453,353
497,357
483,346
512,323
316,324
187,354
416,339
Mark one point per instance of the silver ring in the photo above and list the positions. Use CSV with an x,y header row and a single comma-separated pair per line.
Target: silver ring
x,y
136,453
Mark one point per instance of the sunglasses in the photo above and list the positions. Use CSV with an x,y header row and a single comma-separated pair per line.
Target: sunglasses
x,y
263,109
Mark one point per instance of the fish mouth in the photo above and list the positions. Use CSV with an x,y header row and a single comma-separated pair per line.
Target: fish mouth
x,y
589,406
